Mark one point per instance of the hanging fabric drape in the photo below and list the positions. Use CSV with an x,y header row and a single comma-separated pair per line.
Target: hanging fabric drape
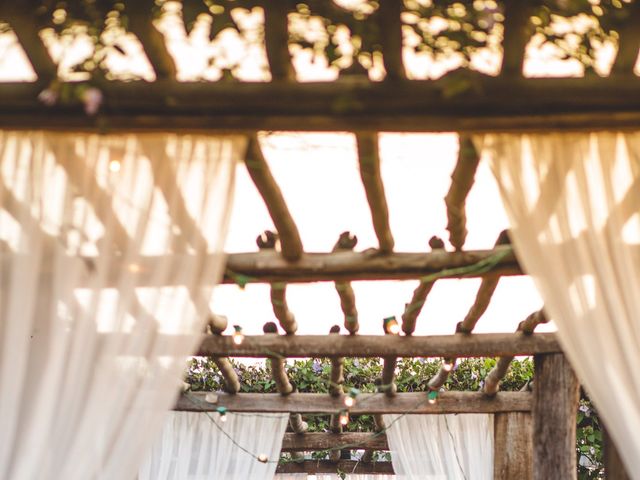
x,y
197,446
441,447
109,248
358,476
574,205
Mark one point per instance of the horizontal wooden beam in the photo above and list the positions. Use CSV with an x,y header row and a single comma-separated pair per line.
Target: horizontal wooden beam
x,y
268,266
457,102
413,402
293,442
326,466
458,345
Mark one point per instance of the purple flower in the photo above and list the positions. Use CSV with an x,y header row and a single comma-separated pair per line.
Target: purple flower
x,y
316,367
48,96
92,99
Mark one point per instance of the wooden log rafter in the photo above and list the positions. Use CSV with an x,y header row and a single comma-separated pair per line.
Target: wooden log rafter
x,y
258,168
324,346
368,403
481,303
369,160
327,466
325,441
276,38
462,180
412,309
335,389
23,23
628,42
278,293
498,372
216,324
347,242
153,41
517,33
389,20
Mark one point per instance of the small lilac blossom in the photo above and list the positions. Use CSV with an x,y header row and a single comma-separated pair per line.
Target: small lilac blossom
x,y
48,96
316,367
92,99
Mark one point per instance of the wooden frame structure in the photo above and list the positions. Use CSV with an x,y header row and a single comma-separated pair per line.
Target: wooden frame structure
x,y
534,431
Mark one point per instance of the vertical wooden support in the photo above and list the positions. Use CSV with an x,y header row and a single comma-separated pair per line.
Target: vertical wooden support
x,y
390,23
276,39
347,242
369,159
512,452
517,32
555,401
614,469
628,42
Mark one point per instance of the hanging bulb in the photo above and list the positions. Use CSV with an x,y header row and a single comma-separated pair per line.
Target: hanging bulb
x,y
344,417
238,337
432,396
448,365
263,458
391,325
222,411
114,166
350,399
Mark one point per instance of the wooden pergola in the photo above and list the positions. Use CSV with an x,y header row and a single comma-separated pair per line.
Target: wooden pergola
x,y
535,428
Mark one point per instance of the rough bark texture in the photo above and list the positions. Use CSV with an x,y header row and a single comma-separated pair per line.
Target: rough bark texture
x,y
512,446
614,469
555,401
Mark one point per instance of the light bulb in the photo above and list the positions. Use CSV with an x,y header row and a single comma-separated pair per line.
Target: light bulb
x,y
238,337
447,366
391,325
222,411
263,458
349,401
433,397
223,417
344,418
114,166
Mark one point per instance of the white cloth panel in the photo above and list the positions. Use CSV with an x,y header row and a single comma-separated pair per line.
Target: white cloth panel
x,y
441,447
574,205
197,446
348,477
109,248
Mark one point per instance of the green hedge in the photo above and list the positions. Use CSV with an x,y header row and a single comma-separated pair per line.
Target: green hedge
x,y
312,375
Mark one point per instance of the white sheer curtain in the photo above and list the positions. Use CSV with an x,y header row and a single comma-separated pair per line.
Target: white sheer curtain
x,y
574,205
197,446
109,249
441,447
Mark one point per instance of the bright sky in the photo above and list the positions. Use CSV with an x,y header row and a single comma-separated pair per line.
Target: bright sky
x,y
319,177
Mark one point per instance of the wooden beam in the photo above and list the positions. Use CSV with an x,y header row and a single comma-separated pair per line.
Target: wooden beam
x,y
326,466
347,242
517,33
462,180
498,372
258,168
231,382
512,446
139,13
23,22
369,160
390,24
314,346
628,42
324,441
415,402
555,401
490,104
414,307
268,266
276,40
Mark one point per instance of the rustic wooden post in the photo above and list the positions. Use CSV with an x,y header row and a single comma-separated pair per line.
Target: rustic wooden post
x,y
512,457
555,400
613,467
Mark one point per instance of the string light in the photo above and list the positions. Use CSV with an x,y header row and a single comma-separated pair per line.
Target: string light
x,y
391,325
222,411
448,365
263,458
432,396
114,166
238,337
350,400
344,417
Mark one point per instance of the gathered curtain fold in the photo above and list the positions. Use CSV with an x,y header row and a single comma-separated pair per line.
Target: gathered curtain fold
x,y
199,446
441,447
573,200
110,246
